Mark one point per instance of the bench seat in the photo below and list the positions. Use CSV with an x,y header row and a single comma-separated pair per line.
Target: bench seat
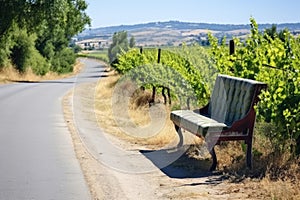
x,y
195,123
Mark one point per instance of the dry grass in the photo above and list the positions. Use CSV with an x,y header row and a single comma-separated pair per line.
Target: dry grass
x,y
138,114
274,176
281,189
10,74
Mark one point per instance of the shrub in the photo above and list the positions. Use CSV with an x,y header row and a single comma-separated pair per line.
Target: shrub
x,y
63,61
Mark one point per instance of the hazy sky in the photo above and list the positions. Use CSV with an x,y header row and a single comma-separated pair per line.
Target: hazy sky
x,y
124,12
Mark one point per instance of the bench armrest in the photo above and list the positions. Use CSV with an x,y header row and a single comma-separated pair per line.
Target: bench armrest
x,y
203,110
243,124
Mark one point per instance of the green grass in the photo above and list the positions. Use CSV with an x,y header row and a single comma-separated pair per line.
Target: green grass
x,y
99,54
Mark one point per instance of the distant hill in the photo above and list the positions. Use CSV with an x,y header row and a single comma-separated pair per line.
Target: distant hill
x,y
176,32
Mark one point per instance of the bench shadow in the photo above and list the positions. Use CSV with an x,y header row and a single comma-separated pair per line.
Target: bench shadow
x,y
175,163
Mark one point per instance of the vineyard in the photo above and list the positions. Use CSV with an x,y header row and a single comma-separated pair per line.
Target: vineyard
x,y
189,71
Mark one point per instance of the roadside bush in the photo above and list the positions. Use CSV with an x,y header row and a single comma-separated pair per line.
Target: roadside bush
x,y
22,49
5,46
23,53
38,63
63,61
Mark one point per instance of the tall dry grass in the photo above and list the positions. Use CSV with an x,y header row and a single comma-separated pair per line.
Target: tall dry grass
x,y
138,112
9,74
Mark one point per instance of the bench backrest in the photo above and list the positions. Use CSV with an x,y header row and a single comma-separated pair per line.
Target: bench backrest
x,y
232,98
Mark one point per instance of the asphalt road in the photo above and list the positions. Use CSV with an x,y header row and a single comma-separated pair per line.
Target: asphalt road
x,y
37,158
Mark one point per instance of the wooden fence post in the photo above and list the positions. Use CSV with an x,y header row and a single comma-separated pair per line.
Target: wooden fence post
x,y
141,50
159,55
231,47
153,87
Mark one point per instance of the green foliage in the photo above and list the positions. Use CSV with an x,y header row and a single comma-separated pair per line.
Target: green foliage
x,y
22,49
100,55
38,63
63,61
187,69
199,58
40,31
119,45
6,44
130,60
76,48
23,54
132,42
274,59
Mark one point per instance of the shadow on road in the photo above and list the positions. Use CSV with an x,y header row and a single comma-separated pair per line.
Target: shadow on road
x,y
60,82
182,167
95,76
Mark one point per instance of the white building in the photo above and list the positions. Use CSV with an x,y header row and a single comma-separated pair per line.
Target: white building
x,y
92,43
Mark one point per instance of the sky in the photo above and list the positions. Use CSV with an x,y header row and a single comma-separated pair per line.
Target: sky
x,y
128,12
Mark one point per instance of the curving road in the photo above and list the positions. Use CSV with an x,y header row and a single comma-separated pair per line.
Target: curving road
x,y
36,151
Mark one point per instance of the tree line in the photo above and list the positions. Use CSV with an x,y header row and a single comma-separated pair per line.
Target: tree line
x,y
36,33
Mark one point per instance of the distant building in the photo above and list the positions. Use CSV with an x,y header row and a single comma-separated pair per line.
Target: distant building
x,y
92,43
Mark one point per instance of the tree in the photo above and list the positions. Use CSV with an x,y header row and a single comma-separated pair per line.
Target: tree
x,y
52,22
119,45
271,32
61,26
132,42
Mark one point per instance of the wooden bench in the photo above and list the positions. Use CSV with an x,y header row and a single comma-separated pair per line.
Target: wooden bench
x,y
228,116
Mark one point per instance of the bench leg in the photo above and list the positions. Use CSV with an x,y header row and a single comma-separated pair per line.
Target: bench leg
x,y
164,95
178,130
211,149
249,154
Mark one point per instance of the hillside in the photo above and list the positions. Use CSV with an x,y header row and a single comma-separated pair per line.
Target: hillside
x,y
175,32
